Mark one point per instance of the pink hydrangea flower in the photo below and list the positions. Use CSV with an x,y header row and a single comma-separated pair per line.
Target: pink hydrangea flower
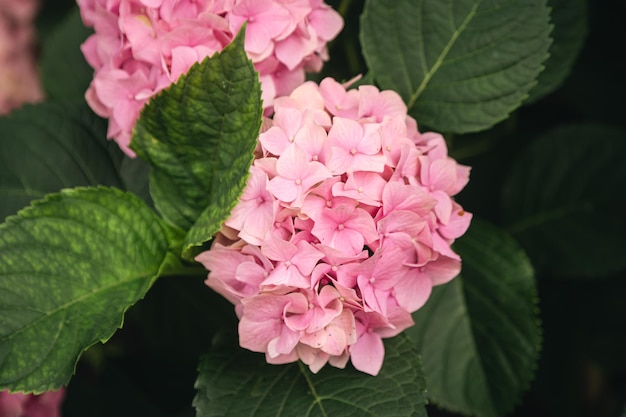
x,y
19,80
344,228
47,404
142,46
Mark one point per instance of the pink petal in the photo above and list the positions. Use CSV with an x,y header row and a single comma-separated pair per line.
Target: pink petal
x,y
183,57
261,322
367,353
306,257
443,269
326,22
413,290
284,344
277,249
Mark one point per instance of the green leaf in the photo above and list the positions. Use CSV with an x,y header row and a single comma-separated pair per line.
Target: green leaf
x,y
564,200
50,146
237,383
479,335
135,174
570,30
64,71
50,14
460,65
70,266
199,136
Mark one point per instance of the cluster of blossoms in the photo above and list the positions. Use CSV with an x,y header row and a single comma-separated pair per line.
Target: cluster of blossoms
x,y
342,230
47,404
19,81
141,46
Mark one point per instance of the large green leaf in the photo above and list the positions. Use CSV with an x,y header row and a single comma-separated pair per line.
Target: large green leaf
x,y
237,383
460,65
479,335
564,200
50,146
199,136
70,266
64,71
570,30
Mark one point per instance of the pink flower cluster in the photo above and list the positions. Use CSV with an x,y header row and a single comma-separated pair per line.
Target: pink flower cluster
x,y
142,46
343,229
19,81
47,404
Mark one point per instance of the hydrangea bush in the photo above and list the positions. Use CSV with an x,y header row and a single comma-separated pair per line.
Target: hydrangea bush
x,y
258,208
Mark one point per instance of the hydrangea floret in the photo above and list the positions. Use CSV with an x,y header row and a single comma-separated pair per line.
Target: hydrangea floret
x,y
142,46
344,227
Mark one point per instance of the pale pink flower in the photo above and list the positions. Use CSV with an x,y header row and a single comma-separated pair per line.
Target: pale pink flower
x,y
308,100
237,275
339,102
345,226
284,39
318,312
283,132
294,262
355,147
254,215
377,276
295,176
293,50
362,186
335,336
262,327
367,353
267,21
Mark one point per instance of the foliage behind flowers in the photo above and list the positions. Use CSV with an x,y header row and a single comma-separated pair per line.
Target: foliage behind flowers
x,y
334,225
